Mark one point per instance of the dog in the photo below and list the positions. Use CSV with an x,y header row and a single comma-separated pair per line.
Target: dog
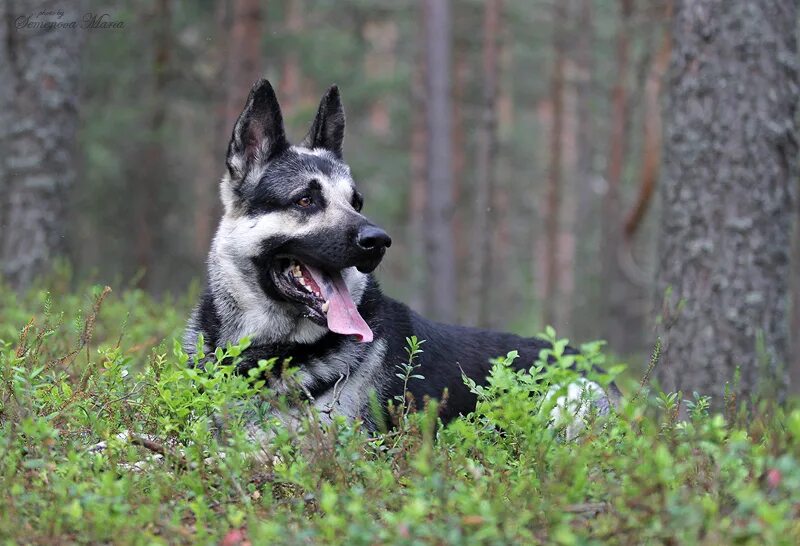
x,y
290,267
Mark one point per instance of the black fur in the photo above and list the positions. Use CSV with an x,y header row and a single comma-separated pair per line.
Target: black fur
x,y
267,196
259,127
327,130
447,352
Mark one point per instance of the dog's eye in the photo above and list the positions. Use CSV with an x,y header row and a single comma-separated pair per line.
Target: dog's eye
x,y
358,202
304,202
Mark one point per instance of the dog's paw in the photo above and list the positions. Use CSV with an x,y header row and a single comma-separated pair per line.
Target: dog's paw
x,y
573,406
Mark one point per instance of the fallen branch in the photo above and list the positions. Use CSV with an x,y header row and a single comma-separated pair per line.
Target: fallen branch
x,y
587,508
156,447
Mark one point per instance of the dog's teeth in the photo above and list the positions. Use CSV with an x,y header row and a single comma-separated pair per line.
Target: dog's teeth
x,y
325,307
302,281
297,273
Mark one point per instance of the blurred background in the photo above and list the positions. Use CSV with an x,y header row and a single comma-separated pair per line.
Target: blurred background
x,y
512,148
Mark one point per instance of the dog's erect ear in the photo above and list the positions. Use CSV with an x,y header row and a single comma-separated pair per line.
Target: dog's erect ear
x,y
258,133
327,131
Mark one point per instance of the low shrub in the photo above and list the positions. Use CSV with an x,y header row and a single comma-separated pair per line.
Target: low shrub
x,y
75,372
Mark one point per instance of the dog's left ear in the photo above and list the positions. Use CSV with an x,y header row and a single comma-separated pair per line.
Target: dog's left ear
x,y
327,131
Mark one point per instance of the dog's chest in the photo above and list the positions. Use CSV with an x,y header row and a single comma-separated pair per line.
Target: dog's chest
x,y
343,382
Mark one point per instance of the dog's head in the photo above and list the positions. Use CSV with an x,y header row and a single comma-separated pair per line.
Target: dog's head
x,y
294,212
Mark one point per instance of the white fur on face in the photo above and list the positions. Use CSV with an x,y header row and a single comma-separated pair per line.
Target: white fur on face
x,y
240,238
246,234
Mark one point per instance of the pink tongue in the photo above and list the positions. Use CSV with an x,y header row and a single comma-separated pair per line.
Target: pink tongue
x,y
343,317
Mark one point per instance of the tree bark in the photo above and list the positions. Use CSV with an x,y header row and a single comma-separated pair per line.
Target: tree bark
x,y
418,171
569,191
148,224
504,294
482,224
381,37
651,154
290,85
39,69
620,323
730,175
244,56
584,307
207,208
439,204
553,190
458,137
794,329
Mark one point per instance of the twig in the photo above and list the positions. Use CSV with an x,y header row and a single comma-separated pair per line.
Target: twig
x,y
86,337
306,392
654,358
144,345
587,508
336,395
23,339
155,447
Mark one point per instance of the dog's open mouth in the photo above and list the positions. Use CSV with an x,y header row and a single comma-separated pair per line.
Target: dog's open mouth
x,y
325,296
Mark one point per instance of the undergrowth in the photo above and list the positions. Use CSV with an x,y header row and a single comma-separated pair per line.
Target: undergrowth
x,y
76,371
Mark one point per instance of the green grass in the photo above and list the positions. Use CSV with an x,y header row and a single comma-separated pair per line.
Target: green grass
x,y
79,369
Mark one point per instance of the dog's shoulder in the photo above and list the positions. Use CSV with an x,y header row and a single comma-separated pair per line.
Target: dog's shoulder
x,y
205,319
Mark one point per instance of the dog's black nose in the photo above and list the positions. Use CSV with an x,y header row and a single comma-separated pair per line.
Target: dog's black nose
x,y
373,238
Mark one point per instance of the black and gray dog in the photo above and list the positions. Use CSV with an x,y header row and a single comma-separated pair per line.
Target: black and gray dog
x,y
290,268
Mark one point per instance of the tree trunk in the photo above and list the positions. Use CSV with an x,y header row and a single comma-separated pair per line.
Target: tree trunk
x,y
381,37
651,154
584,309
418,171
794,329
619,322
244,57
39,70
290,85
439,204
730,172
504,293
147,188
553,193
482,224
461,241
569,192
207,207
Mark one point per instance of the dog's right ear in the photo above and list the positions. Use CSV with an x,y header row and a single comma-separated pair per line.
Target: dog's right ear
x,y
258,133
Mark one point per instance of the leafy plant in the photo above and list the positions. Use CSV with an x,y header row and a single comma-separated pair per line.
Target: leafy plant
x,y
198,454
406,373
